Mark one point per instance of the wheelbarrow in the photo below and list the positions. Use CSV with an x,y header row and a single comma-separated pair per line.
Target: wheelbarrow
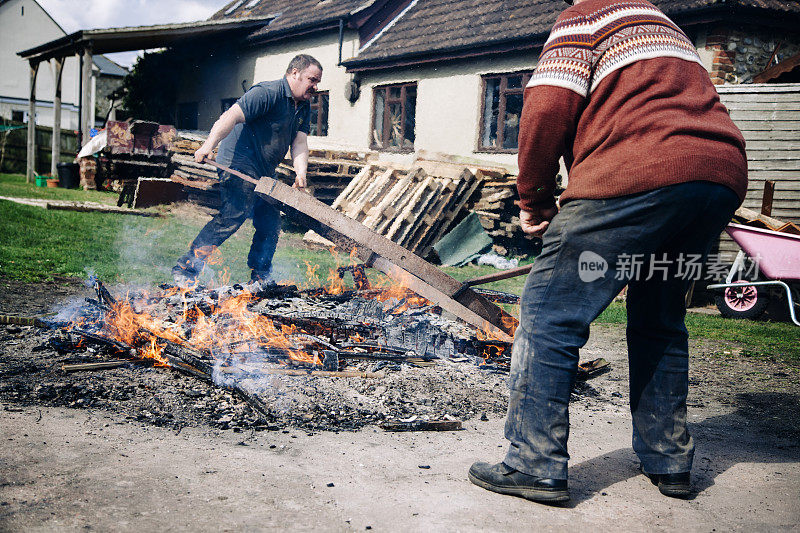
x,y
777,255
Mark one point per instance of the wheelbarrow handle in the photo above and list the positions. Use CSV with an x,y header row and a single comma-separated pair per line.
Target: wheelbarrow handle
x,y
488,278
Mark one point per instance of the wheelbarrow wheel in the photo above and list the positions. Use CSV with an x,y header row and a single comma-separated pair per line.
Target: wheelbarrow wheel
x,y
747,301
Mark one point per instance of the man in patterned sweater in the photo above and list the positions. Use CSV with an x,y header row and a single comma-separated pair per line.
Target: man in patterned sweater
x,y
656,170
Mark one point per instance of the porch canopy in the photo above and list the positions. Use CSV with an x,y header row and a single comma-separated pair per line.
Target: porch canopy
x,y
84,43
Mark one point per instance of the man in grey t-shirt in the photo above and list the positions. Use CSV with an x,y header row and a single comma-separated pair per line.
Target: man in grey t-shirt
x,y
253,136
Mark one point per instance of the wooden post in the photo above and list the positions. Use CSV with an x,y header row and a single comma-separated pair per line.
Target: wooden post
x,y
767,198
87,113
31,165
55,156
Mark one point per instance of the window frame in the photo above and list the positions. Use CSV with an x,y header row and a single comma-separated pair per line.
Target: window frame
x,y
501,110
386,102
318,106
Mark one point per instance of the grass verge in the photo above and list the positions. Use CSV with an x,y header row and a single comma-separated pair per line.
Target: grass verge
x,y
756,338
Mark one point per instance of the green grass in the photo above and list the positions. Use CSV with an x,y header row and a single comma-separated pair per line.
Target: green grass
x,y
14,185
37,244
754,337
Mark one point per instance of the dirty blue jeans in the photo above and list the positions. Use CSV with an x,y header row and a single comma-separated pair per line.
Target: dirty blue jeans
x,y
561,298
239,201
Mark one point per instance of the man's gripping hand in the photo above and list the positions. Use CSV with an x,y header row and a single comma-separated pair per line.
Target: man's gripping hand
x,y
204,152
535,221
300,182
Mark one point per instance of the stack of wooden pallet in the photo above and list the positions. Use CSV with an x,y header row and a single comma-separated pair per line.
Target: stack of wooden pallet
x,y
329,172
185,170
499,213
413,207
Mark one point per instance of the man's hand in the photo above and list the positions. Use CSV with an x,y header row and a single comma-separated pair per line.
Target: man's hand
x,y
204,152
300,182
536,222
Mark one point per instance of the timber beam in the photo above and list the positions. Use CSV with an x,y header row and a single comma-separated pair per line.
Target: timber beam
x,y
403,266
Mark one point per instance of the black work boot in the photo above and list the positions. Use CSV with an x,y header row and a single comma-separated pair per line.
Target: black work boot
x,y
505,480
673,485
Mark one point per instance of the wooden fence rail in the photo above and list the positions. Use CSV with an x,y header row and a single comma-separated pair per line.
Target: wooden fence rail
x,y
13,149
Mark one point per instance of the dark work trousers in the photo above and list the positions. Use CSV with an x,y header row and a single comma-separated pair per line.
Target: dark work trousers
x,y
239,201
567,289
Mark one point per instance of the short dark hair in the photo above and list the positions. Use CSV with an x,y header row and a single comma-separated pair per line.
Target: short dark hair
x,y
302,62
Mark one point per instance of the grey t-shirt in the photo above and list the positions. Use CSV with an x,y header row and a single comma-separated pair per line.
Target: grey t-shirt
x,y
272,120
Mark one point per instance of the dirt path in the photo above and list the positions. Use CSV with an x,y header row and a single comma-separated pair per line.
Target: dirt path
x,y
104,467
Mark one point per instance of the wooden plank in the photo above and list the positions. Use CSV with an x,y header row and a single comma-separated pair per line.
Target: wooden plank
x,y
432,213
378,251
380,215
756,105
401,222
360,177
399,201
768,125
468,186
773,174
772,154
764,114
488,167
761,97
418,214
768,197
768,136
360,206
756,182
758,88
775,164
782,197
437,215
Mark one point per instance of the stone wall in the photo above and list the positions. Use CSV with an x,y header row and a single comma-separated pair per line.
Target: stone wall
x,y
740,53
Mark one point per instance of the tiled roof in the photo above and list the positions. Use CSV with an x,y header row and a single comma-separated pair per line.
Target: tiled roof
x,y
441,26
291,14
450,24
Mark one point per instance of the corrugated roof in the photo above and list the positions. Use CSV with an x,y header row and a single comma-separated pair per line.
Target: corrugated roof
x,y
442,26
109,40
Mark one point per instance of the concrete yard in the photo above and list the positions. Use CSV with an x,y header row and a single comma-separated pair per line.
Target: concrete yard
x,y
87,469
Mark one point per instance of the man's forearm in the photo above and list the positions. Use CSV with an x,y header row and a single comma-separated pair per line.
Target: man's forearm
x,y
300,159
221,129
547,126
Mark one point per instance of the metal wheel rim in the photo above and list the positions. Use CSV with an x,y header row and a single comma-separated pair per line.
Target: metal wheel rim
x,y
741,298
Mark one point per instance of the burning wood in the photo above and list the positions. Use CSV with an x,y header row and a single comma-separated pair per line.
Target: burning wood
x,y
422,425
276,347
241,340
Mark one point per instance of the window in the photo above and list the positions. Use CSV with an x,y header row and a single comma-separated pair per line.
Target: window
x,y
319,114
501,111
393,117
17,116
226,103
187,116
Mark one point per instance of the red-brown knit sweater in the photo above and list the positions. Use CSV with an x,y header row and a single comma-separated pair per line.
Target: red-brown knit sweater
x,y
619,91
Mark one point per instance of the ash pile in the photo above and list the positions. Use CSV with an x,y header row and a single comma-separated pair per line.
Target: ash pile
x,y
277,356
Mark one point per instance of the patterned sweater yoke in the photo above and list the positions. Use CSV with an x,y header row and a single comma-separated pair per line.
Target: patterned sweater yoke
x,y
583,49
